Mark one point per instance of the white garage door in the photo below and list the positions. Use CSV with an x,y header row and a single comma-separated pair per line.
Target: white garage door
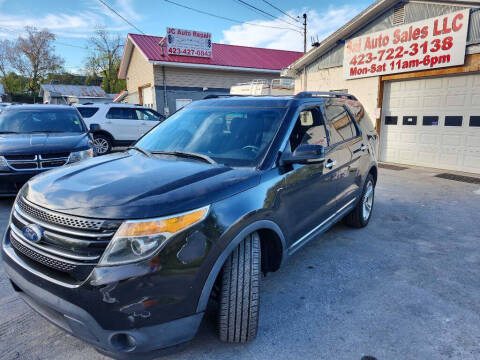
x,y
432,122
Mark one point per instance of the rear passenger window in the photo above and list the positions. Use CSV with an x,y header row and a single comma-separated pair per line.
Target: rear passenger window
x,y
430,121
475,121
87,112
453,120
122,113
309,129
391,120
341,124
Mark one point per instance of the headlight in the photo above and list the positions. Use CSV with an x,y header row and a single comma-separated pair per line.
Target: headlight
x,y
3,164
80,155
140,239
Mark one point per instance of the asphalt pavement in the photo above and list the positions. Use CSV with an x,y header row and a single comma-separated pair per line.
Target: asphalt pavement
x,y
405,287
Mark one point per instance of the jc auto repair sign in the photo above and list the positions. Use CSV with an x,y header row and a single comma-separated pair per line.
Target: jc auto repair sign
x,y
189,43
427,44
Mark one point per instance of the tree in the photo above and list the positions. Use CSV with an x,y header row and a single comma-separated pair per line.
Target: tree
x,y
6,49
33,57
104,60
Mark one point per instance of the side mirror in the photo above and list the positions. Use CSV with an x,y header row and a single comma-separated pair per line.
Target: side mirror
x,y
305,154
94,128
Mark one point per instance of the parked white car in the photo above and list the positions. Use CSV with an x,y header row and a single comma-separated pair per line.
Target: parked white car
x,y
120,124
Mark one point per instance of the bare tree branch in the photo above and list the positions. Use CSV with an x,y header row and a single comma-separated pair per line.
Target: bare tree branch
x,y
34,58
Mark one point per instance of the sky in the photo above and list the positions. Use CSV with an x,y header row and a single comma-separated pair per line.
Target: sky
x,y
74,21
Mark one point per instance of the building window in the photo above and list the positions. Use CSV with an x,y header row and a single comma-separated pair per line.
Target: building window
x,y
391,120
409,120
475,121
430,121
453,120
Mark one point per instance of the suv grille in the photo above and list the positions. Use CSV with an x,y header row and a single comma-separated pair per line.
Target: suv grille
x,y
58,219
32,162
45,260
70,245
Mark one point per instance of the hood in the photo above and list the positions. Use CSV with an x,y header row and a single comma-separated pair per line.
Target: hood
x,y
131,185
27,144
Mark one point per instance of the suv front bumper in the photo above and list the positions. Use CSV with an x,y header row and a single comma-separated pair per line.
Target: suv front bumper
x,y
144,342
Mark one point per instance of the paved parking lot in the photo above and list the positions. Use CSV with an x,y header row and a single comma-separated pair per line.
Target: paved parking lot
x,y
405,287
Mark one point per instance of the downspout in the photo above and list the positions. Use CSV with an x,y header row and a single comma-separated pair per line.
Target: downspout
x,y
165,104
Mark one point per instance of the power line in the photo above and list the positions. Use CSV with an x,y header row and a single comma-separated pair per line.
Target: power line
x,y
120,16
264,13
228,19
278,9
57,42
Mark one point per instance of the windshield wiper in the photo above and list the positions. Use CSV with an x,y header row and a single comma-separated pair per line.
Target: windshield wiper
x,y
143,151
205,158
9,132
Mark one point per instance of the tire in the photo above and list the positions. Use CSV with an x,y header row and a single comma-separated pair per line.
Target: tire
x,y
102,144
239,292
358,217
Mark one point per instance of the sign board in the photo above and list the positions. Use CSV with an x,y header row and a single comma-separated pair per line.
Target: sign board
x,y
422,45
189,43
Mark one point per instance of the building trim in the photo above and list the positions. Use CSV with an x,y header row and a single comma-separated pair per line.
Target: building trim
x,y
192,88
213,67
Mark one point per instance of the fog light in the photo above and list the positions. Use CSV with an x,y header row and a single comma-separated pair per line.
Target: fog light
x,y
123,342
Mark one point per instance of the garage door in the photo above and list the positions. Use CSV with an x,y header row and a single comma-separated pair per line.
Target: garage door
x,y
432,122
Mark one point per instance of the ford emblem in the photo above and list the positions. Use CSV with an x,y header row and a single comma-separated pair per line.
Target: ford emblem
x,y
33,233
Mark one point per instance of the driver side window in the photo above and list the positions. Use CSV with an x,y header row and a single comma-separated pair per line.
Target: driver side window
x,y
309,129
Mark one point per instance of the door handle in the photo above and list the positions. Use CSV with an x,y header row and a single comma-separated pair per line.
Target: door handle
x,y
330,164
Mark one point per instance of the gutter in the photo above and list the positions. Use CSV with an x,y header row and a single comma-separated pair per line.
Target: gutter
x,y
213,67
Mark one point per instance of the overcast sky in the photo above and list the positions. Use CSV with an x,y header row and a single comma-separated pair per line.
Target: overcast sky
x,y
74,21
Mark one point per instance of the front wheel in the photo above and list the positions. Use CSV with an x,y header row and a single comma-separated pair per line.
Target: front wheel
x,y
361,214
239,293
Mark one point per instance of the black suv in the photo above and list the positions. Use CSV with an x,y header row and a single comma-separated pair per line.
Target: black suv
x,y
125,250
36,138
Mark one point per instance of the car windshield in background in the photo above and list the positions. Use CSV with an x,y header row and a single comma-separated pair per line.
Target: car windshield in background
x,y
37,121
230,136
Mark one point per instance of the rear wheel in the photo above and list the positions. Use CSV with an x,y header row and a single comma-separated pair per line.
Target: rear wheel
x,y
360,215
239,292
102,143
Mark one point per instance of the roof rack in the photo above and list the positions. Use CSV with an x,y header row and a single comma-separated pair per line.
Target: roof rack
x,y
308,94
216,96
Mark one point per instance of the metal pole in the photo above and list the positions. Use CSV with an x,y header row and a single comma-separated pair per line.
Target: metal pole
x,y
304,33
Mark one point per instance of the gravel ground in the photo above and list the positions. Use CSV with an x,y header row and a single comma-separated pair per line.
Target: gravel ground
x,y
405,287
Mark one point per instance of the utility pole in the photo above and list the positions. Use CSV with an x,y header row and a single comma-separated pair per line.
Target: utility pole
x,y
304,33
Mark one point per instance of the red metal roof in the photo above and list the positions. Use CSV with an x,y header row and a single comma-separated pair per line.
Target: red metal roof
x,y
223,55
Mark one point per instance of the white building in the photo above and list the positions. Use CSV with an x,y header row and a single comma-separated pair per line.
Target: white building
x,y
415,65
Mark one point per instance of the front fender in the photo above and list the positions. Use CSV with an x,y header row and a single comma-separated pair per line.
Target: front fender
x,y
228,249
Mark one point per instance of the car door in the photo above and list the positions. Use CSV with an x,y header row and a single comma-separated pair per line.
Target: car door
x,y
122,123
308,196
347,149
148,120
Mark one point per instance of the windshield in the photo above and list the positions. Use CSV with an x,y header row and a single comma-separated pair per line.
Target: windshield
x,y
231,136
48,120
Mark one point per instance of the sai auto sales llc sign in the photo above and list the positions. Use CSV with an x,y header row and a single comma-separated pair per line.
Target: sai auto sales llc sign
x,y
189,43
422,45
